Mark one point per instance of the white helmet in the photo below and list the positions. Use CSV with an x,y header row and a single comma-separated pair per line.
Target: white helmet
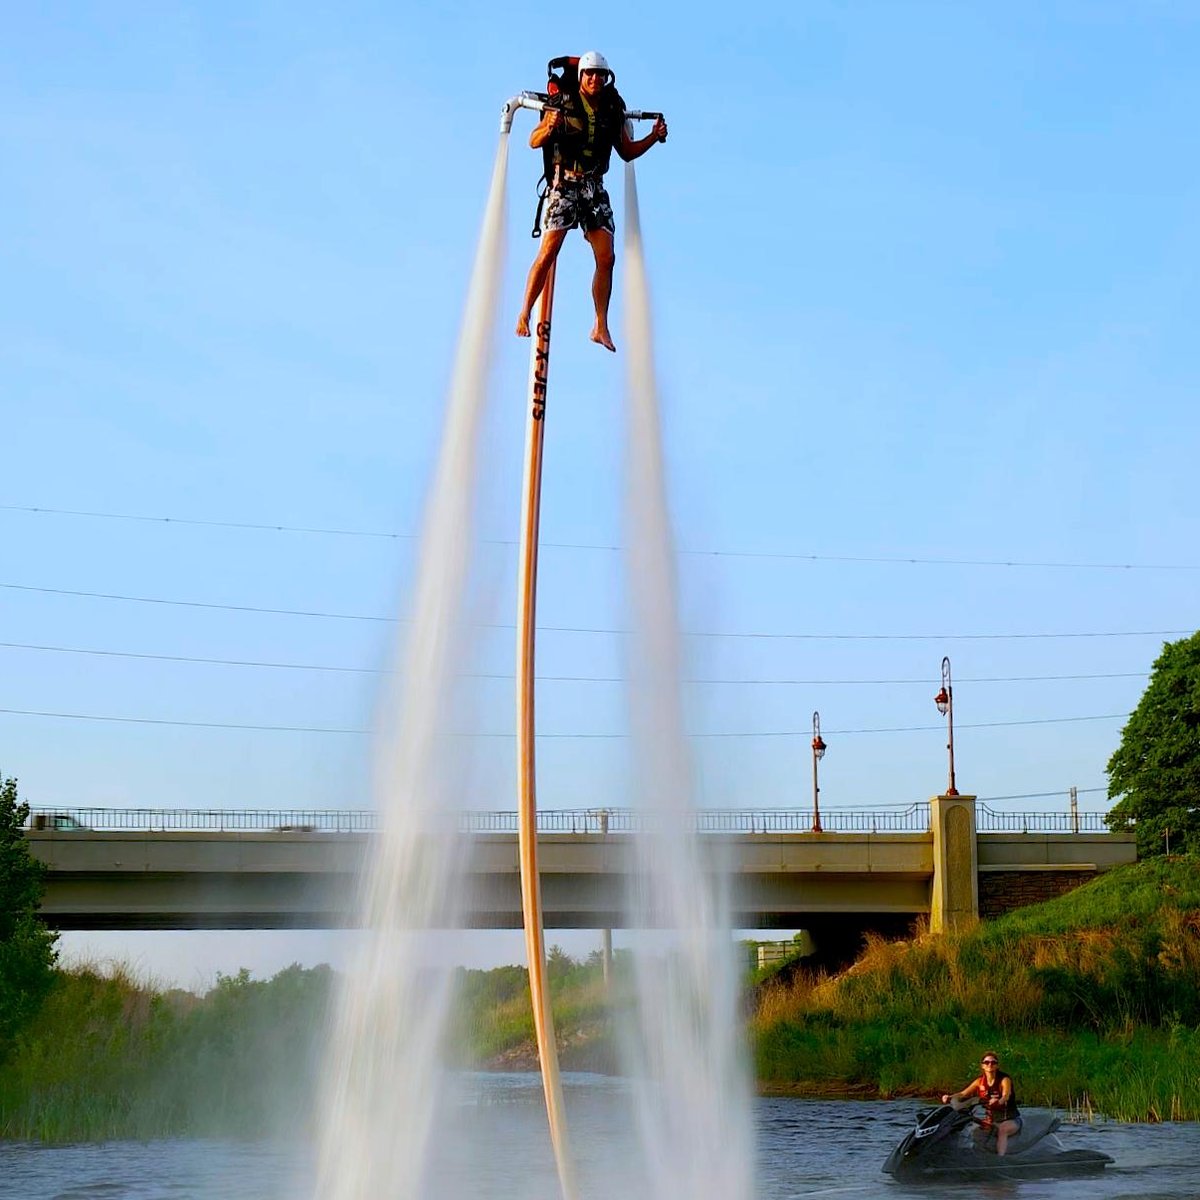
x,y
593,60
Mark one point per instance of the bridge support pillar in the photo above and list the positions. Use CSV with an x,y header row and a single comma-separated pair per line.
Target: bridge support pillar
x,y
606,957
954,890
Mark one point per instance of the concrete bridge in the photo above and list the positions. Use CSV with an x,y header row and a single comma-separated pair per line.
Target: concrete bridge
x,y
932,860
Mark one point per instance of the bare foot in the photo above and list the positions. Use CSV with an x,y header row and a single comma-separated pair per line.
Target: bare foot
x,y
523,325
602,337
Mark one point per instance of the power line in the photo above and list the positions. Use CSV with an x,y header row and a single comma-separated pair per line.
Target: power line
x,y
1064,791
1040,795
188,658
903,560
505,675
897,728
66,716
275,612
818,637
248,525
783,733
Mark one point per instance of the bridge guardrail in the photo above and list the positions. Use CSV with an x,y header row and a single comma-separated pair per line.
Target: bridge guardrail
x,y
912,819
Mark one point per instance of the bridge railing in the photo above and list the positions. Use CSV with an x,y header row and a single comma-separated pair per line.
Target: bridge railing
x,y
914,819
989,820
911,819
217,820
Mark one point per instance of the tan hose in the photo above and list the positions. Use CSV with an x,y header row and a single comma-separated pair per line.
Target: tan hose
x,y
531,888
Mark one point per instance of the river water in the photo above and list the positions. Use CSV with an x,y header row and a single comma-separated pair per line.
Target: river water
x,y
493,1145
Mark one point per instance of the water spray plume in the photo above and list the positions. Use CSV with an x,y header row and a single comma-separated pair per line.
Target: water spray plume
x,y
693,1093
386,1081
385,1077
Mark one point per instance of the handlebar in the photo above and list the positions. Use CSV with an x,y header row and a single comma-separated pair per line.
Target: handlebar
x,y
521,100
539,102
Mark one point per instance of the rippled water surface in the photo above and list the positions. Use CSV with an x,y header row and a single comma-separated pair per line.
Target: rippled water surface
x,y
495,1147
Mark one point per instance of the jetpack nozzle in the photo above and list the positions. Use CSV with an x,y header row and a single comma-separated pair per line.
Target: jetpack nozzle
x,y
521,100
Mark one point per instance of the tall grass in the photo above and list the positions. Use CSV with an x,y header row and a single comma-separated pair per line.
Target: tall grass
x,y
114,1055
493,1021
1091,999
111,1055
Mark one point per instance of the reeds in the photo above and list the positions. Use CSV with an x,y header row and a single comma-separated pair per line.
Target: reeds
x,y
1094,996
112,1055
1092,1001
493,1017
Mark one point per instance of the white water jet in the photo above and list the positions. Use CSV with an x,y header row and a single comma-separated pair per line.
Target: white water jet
x,y
693,1092
385,1079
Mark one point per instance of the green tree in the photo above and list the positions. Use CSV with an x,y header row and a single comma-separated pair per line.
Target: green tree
x,y
560,966
1156,769
27,953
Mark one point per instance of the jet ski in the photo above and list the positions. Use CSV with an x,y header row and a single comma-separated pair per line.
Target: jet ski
x,y
953,1142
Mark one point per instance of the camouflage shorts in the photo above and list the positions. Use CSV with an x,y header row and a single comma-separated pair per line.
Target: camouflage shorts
x,y
582,202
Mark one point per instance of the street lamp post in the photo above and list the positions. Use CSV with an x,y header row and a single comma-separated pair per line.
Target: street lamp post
x,y
818,747
945,705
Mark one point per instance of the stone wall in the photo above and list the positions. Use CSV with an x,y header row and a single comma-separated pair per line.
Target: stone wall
x,y
1002,891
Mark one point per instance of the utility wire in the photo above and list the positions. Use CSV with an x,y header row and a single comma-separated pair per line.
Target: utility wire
x,y
1065,791
276,612
907,560
1040,795
66,716
291,666
819,637
110,516
187,658
783,733
891,729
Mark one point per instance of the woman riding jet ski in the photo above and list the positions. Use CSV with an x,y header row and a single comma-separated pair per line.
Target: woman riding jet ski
x,y
994,1089
950,1141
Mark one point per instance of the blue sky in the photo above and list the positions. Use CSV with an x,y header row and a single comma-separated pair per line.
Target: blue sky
x,y
924,280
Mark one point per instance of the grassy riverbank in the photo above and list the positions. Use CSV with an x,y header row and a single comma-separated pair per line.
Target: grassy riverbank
x,y
493,1021
1092,1001
111,1056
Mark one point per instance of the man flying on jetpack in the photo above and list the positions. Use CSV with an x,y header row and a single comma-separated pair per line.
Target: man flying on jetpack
x,y
582,130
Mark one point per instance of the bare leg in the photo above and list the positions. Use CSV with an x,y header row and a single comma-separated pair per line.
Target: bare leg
x,y
601,242
552,240
1003,1130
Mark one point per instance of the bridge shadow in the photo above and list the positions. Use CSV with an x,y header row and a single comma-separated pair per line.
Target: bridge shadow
x,y
839,938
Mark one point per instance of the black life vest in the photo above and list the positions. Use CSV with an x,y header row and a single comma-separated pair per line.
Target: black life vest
x,y
585,139
587,133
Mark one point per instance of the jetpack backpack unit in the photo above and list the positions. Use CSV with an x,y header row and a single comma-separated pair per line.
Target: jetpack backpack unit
x,y
562,81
